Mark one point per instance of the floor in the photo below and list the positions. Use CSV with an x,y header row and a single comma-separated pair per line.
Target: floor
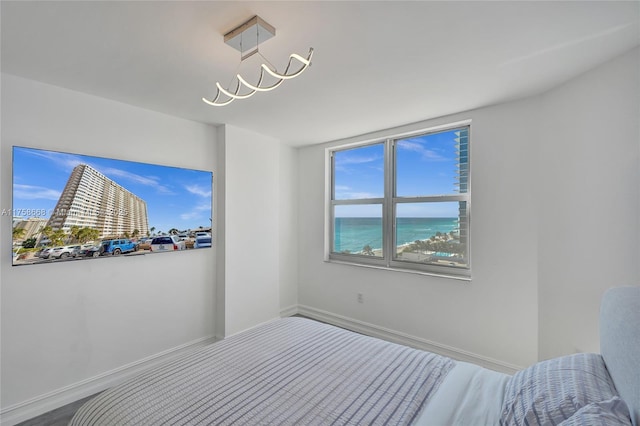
x,y
58,417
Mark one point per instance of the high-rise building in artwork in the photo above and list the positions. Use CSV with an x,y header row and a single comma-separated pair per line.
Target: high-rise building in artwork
x,y
90,199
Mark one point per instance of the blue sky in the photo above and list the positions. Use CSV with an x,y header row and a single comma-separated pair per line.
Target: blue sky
x,y
426,165
176,197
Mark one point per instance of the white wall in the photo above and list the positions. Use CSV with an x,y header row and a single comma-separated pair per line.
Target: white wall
x,y
555,222
259,243
288,229
219,241
68,322
480,317
589,207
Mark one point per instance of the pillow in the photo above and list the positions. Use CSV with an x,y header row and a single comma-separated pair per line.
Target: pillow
x,y
612,412
549,392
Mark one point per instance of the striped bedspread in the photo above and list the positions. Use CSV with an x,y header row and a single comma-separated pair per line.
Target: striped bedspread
x,y
293,371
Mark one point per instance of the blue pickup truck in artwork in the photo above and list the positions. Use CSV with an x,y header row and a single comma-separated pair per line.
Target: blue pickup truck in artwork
x,y
116,247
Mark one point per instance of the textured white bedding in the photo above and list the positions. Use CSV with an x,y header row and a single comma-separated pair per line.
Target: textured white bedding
x,y
469,395
299,372
293,371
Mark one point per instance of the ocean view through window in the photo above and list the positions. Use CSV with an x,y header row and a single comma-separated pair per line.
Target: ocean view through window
x,y
403,202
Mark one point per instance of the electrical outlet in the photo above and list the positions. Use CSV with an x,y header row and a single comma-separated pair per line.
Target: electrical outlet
x,y
360,298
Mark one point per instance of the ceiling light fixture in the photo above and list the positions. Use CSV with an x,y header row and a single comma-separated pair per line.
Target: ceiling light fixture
x,y
247,38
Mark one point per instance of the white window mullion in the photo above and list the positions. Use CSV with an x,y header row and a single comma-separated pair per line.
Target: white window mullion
x,y
389,214
358,201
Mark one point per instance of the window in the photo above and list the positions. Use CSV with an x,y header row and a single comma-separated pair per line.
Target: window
x,y
403,203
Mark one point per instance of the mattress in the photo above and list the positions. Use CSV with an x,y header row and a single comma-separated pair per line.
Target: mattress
x,y
292,371
296,371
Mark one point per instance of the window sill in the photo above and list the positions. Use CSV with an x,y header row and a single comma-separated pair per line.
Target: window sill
x,y
406,271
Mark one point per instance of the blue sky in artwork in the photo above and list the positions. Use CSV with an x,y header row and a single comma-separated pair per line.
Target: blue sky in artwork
x,y
176,197
425,166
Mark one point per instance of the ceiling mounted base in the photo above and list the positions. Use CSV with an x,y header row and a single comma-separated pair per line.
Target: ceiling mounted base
x,y
246,37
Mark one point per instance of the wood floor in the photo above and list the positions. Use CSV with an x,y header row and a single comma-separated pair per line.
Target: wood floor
x,y
58,417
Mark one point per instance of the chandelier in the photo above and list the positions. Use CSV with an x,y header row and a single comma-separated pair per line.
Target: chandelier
x,y
246,38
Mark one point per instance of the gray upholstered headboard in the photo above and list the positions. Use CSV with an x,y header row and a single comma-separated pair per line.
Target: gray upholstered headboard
x,y
620,343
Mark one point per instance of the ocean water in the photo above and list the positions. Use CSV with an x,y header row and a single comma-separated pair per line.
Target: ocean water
x,y
353,233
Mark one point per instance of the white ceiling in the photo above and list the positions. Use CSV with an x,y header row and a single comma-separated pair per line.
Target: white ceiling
x,y
376,65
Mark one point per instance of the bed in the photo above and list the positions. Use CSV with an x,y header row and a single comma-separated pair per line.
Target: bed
x,y
297,371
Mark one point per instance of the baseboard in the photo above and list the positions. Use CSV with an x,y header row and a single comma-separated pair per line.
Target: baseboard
x,y
289,311
252,327
406,339
50,401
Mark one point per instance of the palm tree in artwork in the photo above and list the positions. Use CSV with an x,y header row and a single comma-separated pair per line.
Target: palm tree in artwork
x,y
18,233
47,231
88,234
75,233
57,237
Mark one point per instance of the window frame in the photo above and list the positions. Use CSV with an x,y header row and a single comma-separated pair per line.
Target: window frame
x,y
389,203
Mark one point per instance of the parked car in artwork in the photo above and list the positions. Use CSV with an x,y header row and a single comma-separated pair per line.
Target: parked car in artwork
x,y
44,254
63,252
88,251
144,243
167,243
117,247
202,242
